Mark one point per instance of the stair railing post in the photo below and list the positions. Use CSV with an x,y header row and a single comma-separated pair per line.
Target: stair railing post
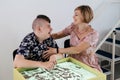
x,y
113,56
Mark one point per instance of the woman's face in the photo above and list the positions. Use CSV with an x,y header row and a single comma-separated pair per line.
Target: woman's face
x,y
78,18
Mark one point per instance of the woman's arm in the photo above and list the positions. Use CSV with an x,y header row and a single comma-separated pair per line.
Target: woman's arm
x,y
70,50
58,35
76,49
63,33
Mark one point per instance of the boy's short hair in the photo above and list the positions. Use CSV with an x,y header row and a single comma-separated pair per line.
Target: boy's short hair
x,y
38,19
43,17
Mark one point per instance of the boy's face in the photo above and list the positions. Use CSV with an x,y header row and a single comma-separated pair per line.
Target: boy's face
x,y
45,30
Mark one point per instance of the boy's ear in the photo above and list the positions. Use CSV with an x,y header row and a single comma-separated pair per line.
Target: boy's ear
x,y
38,28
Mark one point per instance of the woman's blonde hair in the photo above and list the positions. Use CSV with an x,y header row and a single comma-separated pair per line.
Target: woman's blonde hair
x,y
86,12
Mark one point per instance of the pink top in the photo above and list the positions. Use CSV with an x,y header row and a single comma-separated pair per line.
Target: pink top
x,y
85,56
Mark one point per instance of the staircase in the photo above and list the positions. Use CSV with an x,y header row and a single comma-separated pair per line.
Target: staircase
x,y
109,50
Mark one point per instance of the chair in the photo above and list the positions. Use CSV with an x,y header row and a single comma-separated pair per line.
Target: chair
x,y
66,44
14,53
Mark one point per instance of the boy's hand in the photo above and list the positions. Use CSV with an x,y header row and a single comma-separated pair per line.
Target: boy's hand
x,y
53,59
48,65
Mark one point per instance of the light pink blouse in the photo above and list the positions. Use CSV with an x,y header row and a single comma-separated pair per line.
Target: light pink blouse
x,y
86,56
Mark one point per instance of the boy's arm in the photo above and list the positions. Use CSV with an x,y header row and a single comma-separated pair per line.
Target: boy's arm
x,y
21,62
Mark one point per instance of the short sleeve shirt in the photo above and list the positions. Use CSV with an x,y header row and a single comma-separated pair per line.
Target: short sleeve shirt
x,y
31,49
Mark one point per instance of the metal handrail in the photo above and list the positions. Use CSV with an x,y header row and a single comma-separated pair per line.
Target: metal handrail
x,y
110,32
113,56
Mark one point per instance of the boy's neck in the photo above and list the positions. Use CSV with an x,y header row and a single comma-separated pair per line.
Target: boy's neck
x,y
38,38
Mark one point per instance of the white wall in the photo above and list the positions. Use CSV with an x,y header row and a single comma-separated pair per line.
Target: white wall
x,y
106,17
16,17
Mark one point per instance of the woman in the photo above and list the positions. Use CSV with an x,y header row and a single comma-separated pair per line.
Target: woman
x,y
83,38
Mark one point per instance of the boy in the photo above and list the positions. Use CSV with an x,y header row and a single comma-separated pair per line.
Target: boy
x,y
30,52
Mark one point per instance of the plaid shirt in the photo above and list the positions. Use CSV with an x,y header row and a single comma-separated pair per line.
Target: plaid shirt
x,y
31,49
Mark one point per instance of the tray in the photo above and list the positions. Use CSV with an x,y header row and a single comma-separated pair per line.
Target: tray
x,y
98,75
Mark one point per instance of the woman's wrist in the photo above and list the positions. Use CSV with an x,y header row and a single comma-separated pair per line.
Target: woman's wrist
x,y
57,49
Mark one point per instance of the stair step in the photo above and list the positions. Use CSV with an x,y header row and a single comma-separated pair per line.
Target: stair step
x,y
117,28
106,54
111,40
107,72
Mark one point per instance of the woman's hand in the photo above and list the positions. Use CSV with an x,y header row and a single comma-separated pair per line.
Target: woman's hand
x,y
49,52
